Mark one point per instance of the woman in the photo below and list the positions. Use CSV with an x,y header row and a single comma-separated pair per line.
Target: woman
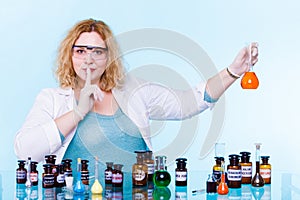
x,y
99,111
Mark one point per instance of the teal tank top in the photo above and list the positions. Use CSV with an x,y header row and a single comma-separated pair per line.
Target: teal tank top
x,y
110,138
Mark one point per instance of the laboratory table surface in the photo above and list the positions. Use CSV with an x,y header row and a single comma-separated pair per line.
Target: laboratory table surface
x,y
285,186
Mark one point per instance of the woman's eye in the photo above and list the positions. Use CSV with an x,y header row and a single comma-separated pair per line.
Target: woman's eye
x,y
98,51
80,51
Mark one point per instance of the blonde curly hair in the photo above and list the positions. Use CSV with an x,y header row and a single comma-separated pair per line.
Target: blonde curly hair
x,y
114,72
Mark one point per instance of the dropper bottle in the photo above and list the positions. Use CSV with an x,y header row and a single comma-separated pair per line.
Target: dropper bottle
x,y
97,187
79,187
257,180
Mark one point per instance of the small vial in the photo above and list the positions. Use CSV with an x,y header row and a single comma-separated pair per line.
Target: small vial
x,y
246,167
117,176
234,172
48,176
181,172
85,177
211,184
108,173
34,174
148,160
21,172
265,169
67,167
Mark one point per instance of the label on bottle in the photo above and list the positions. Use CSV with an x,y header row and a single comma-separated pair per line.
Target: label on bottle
x,y
117,178
150,168
85,175
21,175
108,175
181,176
60,178
68,173
217,175
246,171
234,174
265,173
48,180
138,175
34,177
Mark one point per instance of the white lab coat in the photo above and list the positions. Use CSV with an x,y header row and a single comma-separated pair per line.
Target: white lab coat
x,y
140,100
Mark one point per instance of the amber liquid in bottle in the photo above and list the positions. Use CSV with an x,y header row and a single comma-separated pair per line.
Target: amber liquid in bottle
x,y
246,167
217,169
148,160
265,169
139,170
234,172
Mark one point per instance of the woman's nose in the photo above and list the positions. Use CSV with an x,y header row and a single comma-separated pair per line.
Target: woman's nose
x,y
89,59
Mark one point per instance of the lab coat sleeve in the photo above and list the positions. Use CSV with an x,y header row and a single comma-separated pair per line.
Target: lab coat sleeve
x,y
165,103
39,134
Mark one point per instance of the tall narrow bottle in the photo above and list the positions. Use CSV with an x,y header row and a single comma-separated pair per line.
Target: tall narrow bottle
x,y
257,180
148,160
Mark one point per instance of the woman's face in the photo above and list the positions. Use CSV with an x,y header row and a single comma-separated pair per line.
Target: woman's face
x,y
89,51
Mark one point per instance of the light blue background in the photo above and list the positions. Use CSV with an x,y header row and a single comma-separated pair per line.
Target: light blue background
x,y
31,31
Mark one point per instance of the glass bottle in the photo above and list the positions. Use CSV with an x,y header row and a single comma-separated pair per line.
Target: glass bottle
x,y
34,174
21,172
67,167
148,160
60,178
265,169
246,167
161,177
85,174
257,180
117,176
108,172
234,172
217,169
139,170
50,159
211,184
48,176
181,172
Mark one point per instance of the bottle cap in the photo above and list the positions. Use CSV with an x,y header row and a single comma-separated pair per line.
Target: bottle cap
x,y
245,156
